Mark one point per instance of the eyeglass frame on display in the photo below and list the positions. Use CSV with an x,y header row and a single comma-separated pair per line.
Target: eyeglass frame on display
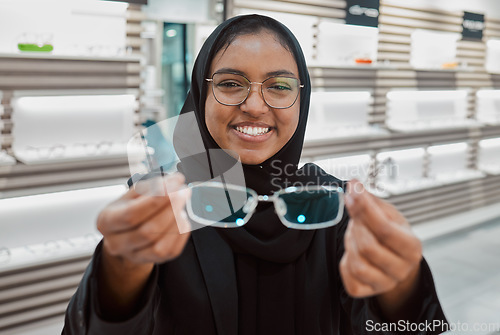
x,y
48,247
99,148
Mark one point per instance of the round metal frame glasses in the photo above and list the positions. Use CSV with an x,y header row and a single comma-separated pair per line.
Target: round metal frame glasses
x,y
299,86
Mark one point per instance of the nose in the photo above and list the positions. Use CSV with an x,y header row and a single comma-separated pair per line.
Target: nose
x,y
254,103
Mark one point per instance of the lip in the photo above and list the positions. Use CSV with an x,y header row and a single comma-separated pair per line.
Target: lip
x,y
252,138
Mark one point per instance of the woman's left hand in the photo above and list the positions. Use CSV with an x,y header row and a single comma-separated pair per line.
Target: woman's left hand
x,y
382,255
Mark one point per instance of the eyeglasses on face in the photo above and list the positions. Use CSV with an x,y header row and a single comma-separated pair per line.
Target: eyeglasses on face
x,y
228,206
232,89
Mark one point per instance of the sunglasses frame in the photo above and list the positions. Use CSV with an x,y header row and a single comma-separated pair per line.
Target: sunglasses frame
x,y
279,205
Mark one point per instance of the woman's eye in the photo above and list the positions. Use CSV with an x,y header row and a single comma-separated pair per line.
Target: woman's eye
x,y
280,87
229,84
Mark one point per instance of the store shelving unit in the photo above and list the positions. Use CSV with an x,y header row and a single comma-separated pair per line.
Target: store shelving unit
x,y
397,21
394,140
62,75
37,280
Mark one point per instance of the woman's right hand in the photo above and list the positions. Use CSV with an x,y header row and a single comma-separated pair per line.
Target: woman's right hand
x,y
139,229
142,228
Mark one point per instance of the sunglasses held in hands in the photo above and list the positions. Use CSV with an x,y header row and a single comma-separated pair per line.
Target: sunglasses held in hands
x,y
228,206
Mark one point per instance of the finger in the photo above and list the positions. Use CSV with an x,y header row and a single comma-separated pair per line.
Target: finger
x,y
378,255
362,206
158,185
146,234
365,272
169,221
183,223
353,286
130,194
390,210
167,248
363,209
126,215
178,201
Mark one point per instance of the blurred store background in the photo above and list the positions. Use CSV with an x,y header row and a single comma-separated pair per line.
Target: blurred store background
x,y
406,98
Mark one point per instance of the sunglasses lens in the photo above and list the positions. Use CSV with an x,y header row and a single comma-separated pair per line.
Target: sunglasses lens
x,y
219,206
312,208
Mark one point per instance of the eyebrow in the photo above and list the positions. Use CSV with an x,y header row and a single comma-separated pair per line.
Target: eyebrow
x,y
269,74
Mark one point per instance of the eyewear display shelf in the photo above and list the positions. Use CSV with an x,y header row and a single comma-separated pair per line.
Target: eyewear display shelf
x,y
33,293
430,203
36,289
53,75
37,281
393,71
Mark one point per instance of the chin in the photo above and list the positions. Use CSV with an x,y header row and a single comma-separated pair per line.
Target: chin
x,y
252,161
252,158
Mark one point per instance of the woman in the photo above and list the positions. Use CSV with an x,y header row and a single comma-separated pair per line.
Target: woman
x,y
263,278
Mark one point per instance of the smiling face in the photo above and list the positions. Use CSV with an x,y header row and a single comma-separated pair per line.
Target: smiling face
x,y
252,129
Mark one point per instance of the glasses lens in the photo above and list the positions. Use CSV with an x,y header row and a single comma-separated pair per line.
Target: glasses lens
x,y
312,207
280,92
230,89
219,205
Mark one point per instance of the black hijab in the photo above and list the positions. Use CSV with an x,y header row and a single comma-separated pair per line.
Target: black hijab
x,y
269,258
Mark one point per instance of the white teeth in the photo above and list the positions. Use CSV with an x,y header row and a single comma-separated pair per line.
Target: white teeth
x,y
254,131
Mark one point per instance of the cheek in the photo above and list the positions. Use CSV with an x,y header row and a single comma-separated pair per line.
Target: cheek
x,y
216,119
289,120
210,115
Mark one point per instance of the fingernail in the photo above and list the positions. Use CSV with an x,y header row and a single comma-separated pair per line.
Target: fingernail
x,y
185,192
349,200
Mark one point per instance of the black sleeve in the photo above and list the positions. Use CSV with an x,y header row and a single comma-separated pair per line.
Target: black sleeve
x,y
83,316
364,317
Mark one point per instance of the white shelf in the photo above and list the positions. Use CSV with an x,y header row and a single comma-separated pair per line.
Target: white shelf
x,y
117,154
453,223
6,160
23,192
430,183
439,69
314,66
395,140
51,56
414,127
46,253
491,169
315,135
